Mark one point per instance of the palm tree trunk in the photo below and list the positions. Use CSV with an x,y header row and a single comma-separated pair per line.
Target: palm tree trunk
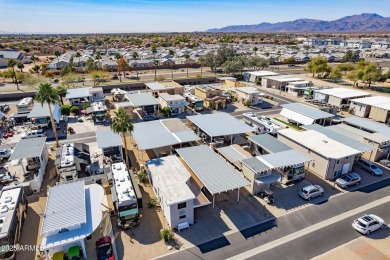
x,y
53,125
16,80
125,143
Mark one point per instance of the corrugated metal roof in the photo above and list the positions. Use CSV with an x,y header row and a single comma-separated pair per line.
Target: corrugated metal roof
x,y
142,99
220,124
29,148
213,171
341,138
255,165
343,92
78,93
234,153
284,159
358,134
155,86
372,101
65,207
369,125
107,138
162,133
269,143
307,111
40,110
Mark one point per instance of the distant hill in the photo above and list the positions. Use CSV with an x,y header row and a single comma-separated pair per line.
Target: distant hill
x,y
356,23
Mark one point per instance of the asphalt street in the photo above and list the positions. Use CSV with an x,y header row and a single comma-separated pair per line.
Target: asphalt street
x,y
304,247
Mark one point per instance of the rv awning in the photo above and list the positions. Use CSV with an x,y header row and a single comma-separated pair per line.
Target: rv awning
x,y
274,177
294,116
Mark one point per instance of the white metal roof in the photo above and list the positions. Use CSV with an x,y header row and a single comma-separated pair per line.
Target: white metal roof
x,y
304,110
262,73
29,148
220,124
107,138
319,143
215,173
155,86
343,92
372,101
162,133
170,175
283,159
93,194
78,93
142,99
169,97
247,90
285,78
65,207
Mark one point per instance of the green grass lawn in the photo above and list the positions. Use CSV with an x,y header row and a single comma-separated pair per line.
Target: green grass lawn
x,y
289,124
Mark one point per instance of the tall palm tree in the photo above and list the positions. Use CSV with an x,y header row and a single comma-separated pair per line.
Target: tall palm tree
x,y
154,51
78,55
11,64
122,124
33,58
201,62
187,56
20,66
47,94
135,57
118,56
57,54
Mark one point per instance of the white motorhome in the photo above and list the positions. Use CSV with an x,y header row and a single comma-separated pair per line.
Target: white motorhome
x,y
261,124
25,105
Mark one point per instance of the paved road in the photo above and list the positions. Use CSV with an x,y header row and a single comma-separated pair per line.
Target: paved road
x,y
302,247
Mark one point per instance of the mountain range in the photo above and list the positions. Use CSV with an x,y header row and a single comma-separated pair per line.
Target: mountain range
x,y
366,22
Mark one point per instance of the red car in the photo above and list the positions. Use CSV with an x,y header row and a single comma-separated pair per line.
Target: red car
x,y
104,249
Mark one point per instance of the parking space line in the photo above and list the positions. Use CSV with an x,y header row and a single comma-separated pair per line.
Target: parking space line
x,y
308,230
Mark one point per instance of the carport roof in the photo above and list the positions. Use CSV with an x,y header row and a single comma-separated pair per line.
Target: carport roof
x,y
219,124
256,165
307,111
40,110
214,172
29,148
284,159
341,138
369,125
343,92
142,99
269,143
162,133
107,138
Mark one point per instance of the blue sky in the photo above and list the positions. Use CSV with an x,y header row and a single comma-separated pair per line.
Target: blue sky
x,y
97,16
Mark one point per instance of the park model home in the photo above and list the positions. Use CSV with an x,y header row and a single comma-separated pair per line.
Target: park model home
x,y
376,108
248,95
338,97
176,103
83,96
331,159
171,181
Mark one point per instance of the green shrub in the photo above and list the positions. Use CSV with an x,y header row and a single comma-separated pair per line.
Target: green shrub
x,y
75,110
165,111
167,235
152,203
142,177
65,110
86,106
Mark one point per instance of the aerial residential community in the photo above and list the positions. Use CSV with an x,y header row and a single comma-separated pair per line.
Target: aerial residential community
x,y
263,141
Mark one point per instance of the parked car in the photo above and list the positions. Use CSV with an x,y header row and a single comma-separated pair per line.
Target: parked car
x,y
348,180
368,223
4,107
370,167
104,249
34,133
385,162
311,191
5,153
150,117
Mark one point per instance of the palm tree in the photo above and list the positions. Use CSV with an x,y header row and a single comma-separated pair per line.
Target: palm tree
x,y
118,56
201,61
78,55
57,54
47,94
187,56
122,124
20,66
135,57
255,49
154,51
33,58
11,64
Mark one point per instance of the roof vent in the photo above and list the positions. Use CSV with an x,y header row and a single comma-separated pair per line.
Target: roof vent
x,y
8,199
324,141
4,209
